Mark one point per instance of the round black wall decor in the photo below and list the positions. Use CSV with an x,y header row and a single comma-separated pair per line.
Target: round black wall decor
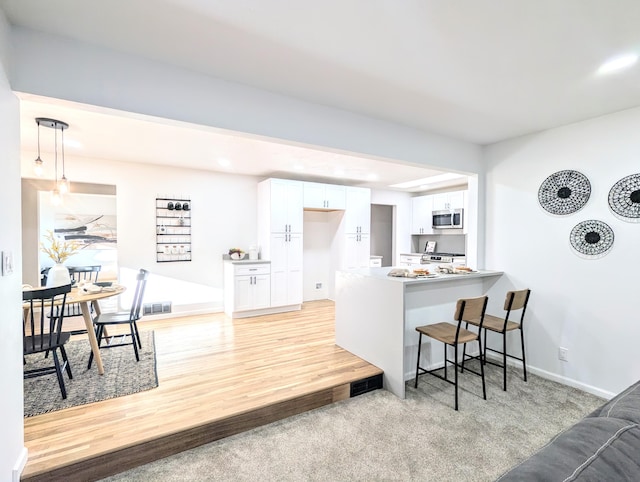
x,y
564,192
591,238
624,198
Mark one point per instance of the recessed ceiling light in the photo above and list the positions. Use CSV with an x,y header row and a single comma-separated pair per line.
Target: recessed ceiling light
x,y
618,63
372,176
298,167
224,162
338,172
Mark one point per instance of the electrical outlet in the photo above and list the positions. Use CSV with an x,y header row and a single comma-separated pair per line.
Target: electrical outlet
x,y
563,354
318,286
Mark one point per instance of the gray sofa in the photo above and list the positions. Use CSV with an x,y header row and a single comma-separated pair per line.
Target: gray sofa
x,y
603,446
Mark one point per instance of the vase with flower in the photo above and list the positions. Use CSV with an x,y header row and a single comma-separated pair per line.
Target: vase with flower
x,y
58,250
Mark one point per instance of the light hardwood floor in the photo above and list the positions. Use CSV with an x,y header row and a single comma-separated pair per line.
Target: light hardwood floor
x,y
217,377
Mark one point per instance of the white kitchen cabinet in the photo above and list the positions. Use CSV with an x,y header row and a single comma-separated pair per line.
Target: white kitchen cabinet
x,y
448,200
357,251
247,287
284,198
358,210
407,260
375,262
286,269
421,215
324,196
280,221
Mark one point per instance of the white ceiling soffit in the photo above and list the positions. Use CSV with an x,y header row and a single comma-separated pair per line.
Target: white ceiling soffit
x,y
96,133
477,70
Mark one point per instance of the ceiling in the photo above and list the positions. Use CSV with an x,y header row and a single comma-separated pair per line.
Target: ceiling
x,y
477,70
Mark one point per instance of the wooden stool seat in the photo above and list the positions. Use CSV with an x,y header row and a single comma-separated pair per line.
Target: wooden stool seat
x,y
446,333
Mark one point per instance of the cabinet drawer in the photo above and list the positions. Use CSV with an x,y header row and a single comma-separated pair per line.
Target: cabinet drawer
x,y
410,260
252,269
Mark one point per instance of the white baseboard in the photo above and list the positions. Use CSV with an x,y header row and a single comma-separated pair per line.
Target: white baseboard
x,y
18,467
536,371
571,383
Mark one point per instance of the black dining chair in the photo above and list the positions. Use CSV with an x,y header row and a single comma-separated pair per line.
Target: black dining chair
x,y
42,331
78,274
123,318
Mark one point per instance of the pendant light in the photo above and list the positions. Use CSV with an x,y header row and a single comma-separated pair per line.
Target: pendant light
x,y
61,187
38,167
56,196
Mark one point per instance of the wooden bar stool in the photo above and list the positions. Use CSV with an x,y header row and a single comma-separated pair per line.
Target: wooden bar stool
x,y
453,335
514,301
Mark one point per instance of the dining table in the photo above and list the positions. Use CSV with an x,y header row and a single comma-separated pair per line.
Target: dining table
x,y
85,297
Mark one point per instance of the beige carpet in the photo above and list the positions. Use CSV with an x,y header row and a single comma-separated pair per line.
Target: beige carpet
x,y
377,436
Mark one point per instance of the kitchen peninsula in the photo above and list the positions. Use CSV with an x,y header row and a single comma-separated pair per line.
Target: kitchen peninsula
x,y
376,316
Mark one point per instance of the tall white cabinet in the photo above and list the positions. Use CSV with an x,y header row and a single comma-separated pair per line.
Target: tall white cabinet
x,y
281,205
357,228
280,221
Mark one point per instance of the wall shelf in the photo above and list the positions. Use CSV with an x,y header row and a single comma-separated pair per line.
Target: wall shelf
x,y
173,229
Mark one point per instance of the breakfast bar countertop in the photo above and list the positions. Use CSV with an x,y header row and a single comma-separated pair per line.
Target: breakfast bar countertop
x,y
383,273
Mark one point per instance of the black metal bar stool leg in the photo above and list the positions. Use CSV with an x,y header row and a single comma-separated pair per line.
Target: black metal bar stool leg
x,y
418,362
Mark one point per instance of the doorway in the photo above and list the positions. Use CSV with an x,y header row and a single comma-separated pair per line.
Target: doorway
x,y
382,232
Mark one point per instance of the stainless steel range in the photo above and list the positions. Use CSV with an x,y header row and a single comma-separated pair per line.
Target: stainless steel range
x,y
443,258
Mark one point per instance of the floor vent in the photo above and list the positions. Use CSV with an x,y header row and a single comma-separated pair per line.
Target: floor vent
x,y
156,308
366,385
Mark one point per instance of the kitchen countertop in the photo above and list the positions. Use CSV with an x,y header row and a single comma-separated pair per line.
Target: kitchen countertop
x,y
226,258
383,273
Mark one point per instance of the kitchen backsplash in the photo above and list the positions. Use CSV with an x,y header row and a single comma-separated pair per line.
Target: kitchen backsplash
x,y
445,243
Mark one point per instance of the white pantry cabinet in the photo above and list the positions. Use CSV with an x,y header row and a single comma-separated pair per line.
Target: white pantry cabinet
x,y
421,215
284,199
286,269
247,287
358,210
280,222
324,196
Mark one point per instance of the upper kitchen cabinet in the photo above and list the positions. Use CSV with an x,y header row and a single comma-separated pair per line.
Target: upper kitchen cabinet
x,y
448,200
327,197
421,217
280,206
358,210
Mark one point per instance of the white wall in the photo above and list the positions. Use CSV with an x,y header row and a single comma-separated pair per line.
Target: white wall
x,y
98,76
586,306
12,451
319,231
223,210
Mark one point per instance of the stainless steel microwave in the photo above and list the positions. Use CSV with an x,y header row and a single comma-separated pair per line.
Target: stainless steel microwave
x,y
447,219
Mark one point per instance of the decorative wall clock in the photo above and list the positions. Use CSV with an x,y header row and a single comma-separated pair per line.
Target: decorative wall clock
x,y
624,198
564,192
591,238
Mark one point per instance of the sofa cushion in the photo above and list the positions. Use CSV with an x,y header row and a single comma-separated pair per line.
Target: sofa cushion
x,y
595,449
625,405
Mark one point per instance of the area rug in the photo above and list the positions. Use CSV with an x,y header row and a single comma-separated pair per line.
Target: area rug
x,y
122,376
